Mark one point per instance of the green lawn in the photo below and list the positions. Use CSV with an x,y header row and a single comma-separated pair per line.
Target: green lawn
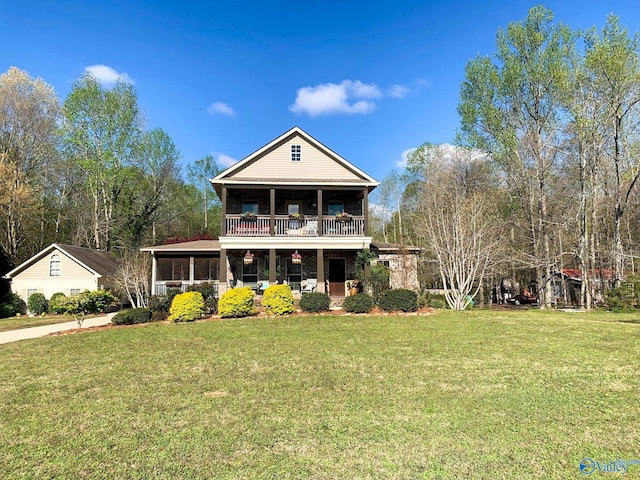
x,y
24,321
520,394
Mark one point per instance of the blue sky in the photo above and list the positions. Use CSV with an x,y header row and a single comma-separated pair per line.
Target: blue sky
x,y
369,79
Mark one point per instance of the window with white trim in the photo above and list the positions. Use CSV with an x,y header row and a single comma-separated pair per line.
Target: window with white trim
x,y
75,291
295,153
54,265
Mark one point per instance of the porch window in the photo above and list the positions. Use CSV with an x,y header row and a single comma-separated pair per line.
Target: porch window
x,y
295,153
170,269
335,208
250,206
54,265
206,268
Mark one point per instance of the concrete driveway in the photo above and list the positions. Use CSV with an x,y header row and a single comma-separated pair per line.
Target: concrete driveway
x,y
43,331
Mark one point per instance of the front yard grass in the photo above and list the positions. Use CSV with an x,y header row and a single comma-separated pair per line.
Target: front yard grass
x,y
25,321
478,394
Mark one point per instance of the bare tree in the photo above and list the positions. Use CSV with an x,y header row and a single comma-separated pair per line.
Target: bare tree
x,y
132,279
459,226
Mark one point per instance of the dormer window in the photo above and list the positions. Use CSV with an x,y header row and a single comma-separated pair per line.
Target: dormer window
x,y
54,265
295,153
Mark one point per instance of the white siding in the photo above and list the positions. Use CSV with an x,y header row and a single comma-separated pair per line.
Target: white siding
x,y
313,165
36,277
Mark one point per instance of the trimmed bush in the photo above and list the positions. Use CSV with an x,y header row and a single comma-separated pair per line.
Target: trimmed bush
x,y
315,302
132,316
209,292
278,300
237,302
359,303
16,304
186,307
37,303
6,310
55,303
399,299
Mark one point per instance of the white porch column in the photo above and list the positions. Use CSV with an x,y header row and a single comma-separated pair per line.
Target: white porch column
x,y
154,273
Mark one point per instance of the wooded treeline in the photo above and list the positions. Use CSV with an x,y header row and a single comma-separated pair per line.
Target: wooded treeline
x,y
547,151
89,172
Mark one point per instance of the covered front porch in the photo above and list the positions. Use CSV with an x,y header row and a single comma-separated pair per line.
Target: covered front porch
x,y
331,271
182,265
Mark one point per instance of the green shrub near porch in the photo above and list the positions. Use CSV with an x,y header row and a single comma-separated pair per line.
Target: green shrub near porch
x,y
315,302
400,299
278,300
186,307
237,302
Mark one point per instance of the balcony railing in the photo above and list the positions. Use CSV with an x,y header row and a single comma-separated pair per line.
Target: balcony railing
x,y
284,226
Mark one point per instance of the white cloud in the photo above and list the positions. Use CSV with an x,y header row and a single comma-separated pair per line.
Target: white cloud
x,y
446,151
221,109
398,91
405,157
225,161
349,97
107,75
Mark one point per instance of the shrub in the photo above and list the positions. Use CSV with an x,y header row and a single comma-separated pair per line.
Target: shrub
x,y
399,299
186,307
86,303
359,303
132,316
434,300
379,280
315,302
6,310
625,297
237,302
97,301
162,303
55,303
16,304
278,300
37,303
209,292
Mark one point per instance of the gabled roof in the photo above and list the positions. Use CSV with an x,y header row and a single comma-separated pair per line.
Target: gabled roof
x,y
98,262
192,246
244,172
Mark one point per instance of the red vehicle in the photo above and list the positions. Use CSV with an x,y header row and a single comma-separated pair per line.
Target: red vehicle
x,y
523,298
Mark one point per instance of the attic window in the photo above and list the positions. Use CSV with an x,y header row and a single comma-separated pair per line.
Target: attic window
x,y
295,153
54,265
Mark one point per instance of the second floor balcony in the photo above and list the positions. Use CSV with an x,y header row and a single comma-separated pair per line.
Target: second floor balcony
x,y
285,226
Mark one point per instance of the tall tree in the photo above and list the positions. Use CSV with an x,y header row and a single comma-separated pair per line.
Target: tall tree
x,y
513,108
153,169
613,64
103,129
29,116
458,222
200,173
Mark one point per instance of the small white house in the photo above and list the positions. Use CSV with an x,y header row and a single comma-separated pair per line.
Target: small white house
x,y
63,268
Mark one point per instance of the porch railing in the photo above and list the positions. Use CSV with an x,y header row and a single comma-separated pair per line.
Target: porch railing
x,y
162,287
284,226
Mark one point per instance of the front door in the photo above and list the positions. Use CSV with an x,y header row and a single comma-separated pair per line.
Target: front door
x,y
337,277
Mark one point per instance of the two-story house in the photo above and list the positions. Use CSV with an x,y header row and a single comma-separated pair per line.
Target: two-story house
x,y
292,211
